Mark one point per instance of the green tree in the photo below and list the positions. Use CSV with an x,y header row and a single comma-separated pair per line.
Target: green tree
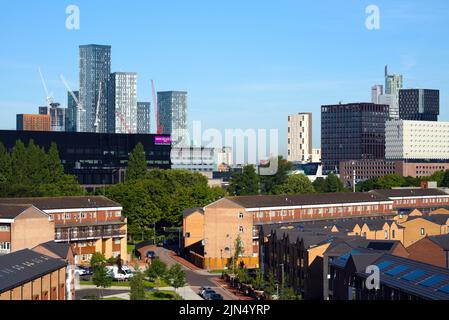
x,y
269,182
244,183
333,184
137,287
157,271
445,180
289,294
101,277
271,286
19,163
319,185
137,164
176,276
258,282
239,250
298,183
5,164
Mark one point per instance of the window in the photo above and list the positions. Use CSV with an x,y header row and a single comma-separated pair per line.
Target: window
x,y
393,234
241,229
5,246
386,234
118,214
187,235
67,216
241,215
4,228
83,215
423,231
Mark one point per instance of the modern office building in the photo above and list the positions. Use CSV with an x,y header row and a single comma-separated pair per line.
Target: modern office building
x,y
362,170
224,160
58,116
376,91
419,104
95,69
194,159
96,159
393,102
417,140
143,117
300,137
122,102
172,116
352,132
316,155
33,122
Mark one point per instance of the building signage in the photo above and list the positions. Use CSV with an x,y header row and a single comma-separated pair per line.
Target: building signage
x,y
162,141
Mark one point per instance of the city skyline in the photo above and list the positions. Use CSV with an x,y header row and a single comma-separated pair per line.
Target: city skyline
x,y
249,61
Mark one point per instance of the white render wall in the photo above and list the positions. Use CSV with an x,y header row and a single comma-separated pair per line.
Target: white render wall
x,y
406,139
300,137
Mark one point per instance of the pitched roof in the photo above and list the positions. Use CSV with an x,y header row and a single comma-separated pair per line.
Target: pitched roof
x,y
53,203
61,249
11,211
24,266
440,219
409,192
442,241
188,212
266,201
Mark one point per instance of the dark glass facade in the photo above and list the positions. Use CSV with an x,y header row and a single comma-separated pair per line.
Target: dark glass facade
x,y
419,104
352,132
95,158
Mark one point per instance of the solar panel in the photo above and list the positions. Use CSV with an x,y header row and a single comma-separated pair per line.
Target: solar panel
x,y
396,270
413,275
433,280
384,264
444,289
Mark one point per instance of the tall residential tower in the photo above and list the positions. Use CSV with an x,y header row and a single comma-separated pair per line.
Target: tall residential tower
x,y
172,116
300,137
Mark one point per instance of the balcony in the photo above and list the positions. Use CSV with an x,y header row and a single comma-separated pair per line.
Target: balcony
x,y
86,235
4,251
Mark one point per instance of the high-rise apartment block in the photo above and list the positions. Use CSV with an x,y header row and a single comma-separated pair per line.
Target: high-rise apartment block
x,y
143,117
351,132
122,102
300,137
393,84
95,68
33,122
419,104
75,115
58,116
172,116
376,92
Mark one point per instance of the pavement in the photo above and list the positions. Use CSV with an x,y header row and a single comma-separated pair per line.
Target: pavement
x,y
195,277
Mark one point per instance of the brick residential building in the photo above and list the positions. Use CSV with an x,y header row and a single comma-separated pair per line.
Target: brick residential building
x,y
23,227
89,223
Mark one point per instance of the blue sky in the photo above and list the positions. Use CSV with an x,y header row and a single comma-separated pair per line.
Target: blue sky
x,y
245,64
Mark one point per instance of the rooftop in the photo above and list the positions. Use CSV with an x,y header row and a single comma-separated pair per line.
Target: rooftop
x,y
264,201
409,192
23,266
61,249
11,211
53,203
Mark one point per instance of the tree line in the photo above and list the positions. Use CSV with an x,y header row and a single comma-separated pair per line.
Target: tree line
x,y
250,182
30,171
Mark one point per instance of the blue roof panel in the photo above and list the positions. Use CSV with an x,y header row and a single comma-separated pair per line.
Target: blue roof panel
x,y
397,270
384,264
414,275
433,280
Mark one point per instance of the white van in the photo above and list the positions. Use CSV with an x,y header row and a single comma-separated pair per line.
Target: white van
x,y
116,274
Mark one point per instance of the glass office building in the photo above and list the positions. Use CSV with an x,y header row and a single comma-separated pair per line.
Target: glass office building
x,y
172,114
96,158
95,68
419,104
352,132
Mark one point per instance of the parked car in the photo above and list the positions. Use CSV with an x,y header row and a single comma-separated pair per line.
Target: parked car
x,y
207,294
202,289
119,275
80,271
215,296
160,244
151,254
87,270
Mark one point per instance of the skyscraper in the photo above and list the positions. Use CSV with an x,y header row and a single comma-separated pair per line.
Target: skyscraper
x,y
393,83
72,124
300,137
95,68
376,91
143,117
172,116
352,131
419,104
122,102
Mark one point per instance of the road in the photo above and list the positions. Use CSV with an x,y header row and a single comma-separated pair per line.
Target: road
x,y
195,279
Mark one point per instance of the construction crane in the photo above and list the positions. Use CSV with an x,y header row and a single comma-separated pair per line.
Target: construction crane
x,y
159,127
97,112
79,106
122,120
48,96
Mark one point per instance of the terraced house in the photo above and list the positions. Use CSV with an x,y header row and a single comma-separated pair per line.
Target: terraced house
x,y
90,224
